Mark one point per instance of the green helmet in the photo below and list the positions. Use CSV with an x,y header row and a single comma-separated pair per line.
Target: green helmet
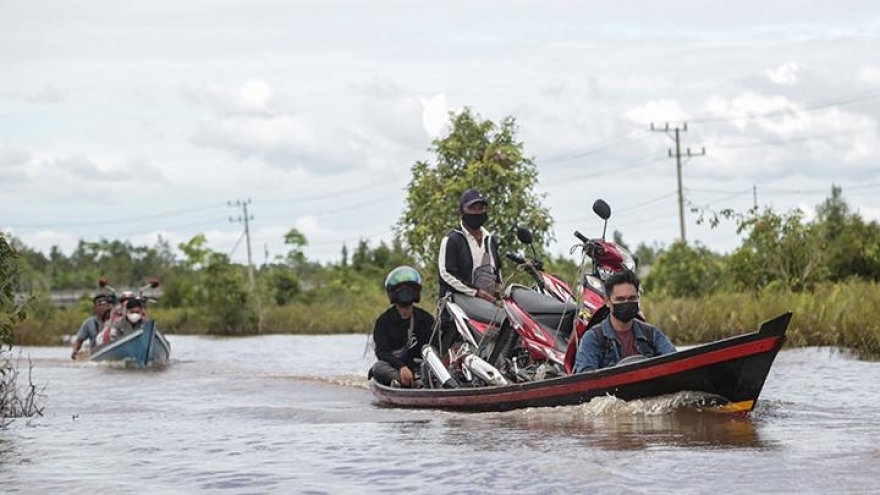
x,y
403,285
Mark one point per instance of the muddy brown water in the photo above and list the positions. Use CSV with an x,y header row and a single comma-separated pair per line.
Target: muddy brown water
x,y
292,414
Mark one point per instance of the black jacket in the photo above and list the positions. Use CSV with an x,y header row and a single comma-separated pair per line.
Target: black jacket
x,y
456,260
390,336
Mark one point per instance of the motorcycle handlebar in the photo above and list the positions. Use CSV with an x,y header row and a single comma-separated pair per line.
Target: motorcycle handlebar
x,y
519,260
581,237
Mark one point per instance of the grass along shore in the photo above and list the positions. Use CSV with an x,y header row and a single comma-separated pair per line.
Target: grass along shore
x,y
845,315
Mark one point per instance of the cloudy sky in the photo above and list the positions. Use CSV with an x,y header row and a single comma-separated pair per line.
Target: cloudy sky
x,y
132,120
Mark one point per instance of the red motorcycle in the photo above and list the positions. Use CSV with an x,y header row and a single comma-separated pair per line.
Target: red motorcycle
x,y
528,337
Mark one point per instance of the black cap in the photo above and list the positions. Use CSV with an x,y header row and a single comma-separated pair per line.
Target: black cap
x,y
100,298
470,197
134,303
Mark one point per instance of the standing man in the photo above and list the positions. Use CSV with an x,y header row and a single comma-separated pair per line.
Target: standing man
x,y
92,325
468,261
620,334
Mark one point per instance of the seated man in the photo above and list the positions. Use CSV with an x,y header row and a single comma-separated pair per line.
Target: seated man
x,y
93,325
402,330
620,334
134,319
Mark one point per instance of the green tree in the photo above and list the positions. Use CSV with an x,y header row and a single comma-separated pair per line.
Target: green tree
x,y
685,271
476,153
853,244
782,250
15,401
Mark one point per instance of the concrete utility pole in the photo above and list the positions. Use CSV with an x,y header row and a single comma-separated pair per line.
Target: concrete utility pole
x,y
245,218
674,133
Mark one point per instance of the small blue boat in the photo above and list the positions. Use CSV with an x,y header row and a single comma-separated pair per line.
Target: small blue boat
x,y
145,346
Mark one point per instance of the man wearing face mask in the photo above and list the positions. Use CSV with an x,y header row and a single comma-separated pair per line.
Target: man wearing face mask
x,y
621,334
468,260
400,331
134,319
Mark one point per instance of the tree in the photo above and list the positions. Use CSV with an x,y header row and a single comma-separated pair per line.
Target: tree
x,y
853,244
778,249
14,403
685,271
476,153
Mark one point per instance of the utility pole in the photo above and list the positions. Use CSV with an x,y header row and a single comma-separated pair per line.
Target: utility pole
x,y
245,218
674,134
755,195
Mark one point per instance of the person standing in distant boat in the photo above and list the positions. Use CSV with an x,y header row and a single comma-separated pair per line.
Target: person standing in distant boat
x,y
135,316
621,334
401,331
92,325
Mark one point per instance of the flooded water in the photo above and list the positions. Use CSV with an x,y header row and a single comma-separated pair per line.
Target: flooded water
x,y
292,414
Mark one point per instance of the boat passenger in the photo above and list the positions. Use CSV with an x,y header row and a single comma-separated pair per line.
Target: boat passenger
x,y
401,330
92,325
621,334
468,260
135,316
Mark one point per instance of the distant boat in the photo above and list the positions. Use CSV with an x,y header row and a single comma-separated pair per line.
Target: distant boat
x,y
145,346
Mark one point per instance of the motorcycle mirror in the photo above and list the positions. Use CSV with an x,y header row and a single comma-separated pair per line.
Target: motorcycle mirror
x,y
601,208
524,235
154,282
102,282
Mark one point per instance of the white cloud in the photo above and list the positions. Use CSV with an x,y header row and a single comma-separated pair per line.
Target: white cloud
x,y
657,111
47,95
869,74
786,74
435,114
254,97
83,167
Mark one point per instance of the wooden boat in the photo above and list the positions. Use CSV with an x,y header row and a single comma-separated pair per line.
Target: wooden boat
x,y
145,346
732,370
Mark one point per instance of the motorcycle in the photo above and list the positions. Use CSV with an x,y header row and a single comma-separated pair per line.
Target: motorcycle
x,y
531,340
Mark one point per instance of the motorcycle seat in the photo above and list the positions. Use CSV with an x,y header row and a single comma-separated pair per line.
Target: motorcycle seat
x,y
536,303
479,309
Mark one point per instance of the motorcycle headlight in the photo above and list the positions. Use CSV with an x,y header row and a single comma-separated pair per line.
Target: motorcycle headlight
x,y
604,273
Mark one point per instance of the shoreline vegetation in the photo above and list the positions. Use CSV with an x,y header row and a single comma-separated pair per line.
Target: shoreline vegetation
x,y
824,268
841,315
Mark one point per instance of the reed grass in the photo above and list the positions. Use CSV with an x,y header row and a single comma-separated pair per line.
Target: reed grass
x,y
843,315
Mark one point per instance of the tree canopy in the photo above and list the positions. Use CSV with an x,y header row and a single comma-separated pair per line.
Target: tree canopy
x,y
476,153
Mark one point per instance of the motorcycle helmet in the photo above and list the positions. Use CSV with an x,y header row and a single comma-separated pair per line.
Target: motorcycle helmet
x,y
403,285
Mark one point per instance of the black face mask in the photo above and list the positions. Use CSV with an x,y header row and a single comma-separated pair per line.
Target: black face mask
x,y
625,311
474,220
405,296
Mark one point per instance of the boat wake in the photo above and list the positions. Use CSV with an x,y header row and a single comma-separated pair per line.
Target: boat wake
x,y
355,381
608,406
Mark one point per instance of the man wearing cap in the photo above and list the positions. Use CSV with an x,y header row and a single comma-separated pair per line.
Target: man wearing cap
x,y
468,260
93,324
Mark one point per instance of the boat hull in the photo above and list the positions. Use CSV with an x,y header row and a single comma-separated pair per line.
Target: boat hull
x,y
733,369
145,346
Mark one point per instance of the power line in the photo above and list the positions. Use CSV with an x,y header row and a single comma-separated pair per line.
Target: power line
x,y
328,195
821,105
600,146
119,220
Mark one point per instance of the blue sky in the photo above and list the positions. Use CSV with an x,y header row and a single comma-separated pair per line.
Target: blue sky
x,y
133,120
